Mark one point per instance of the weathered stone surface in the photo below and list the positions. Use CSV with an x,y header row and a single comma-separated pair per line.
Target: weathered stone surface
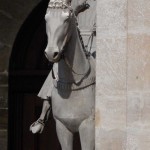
x,y
139,16
3,78
133,110
145,110
138,62
4,60
123,68
111,140
138,110
112,112
3,140
17,9
111,74
138,76
6,27
3,96
138,139
3,119
111,18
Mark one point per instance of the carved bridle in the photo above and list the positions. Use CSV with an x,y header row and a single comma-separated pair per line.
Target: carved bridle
x,y
59,4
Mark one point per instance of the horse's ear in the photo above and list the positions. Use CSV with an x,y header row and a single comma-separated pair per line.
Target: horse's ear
x,y
82,7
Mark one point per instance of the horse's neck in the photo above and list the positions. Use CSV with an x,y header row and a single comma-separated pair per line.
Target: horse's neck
x,y
76,58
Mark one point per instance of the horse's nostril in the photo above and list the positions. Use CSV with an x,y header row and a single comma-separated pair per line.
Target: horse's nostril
x,y
55,54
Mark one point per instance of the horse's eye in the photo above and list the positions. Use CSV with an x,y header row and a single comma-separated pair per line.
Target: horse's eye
x,y
66,19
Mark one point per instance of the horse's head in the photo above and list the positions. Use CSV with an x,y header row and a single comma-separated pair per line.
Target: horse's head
x,y
58,22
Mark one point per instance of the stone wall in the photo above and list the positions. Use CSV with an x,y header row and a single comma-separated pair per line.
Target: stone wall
x,y
12,16
123,75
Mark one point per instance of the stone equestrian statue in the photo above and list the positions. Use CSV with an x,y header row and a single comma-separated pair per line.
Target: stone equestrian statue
x,y
70,86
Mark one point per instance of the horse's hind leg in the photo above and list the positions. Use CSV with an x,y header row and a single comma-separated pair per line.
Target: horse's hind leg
x,y
87,134
65,136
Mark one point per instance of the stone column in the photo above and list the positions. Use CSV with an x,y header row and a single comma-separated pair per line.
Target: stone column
x,y
123,75
111,75
138,85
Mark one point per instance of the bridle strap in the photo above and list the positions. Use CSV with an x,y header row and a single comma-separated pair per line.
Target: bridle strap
x,y
83,74
53,75
70,67
90,41
63,44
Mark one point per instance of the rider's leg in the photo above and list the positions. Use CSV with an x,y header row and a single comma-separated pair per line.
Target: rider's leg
x,y
65,136
87,134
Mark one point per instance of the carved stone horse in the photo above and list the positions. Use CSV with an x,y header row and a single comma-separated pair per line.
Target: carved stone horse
x,y
73,93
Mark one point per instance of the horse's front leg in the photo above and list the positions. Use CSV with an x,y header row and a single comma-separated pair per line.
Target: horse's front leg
x,y
38,125
65,136
87,134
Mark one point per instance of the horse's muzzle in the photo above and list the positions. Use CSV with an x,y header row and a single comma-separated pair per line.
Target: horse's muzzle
x,y
52,55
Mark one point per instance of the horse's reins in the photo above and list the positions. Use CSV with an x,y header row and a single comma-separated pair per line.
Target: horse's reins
x,y
88,46
68,64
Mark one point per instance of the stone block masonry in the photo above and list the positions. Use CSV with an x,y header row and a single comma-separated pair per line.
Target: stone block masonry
x,y
123,75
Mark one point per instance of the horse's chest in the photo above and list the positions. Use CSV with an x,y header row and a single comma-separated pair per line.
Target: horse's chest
x,y
73,104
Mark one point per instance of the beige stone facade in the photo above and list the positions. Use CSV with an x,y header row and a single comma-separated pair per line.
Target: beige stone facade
x,y
123,75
